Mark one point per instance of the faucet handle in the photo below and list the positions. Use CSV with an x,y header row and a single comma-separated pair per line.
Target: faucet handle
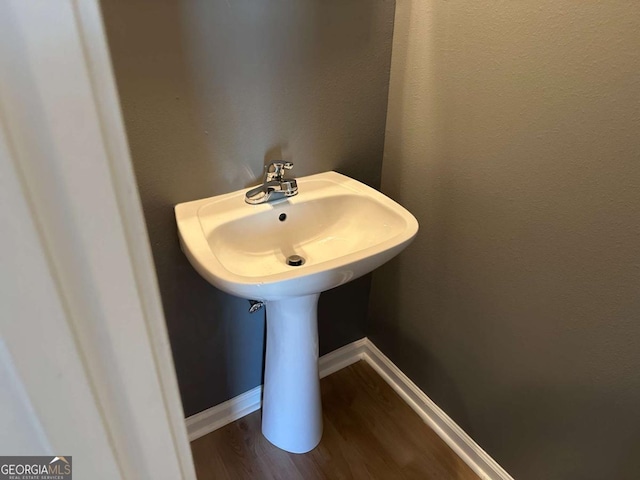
x,y
279,165
275,170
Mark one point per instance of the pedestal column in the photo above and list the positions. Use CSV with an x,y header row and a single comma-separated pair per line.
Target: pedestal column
x,y
291,407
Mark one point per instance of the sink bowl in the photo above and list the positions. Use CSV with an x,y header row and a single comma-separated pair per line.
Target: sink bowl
x,y
336,229
342,229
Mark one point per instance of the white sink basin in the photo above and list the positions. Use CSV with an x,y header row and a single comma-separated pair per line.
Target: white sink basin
x,y
342,229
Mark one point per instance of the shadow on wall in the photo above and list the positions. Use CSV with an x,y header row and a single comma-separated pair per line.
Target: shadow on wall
x,y
210,90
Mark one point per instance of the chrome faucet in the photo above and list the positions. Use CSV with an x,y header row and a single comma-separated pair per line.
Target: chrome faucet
x,y
274,186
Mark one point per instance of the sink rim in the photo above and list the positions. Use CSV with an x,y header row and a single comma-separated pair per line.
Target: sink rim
x,y
205,261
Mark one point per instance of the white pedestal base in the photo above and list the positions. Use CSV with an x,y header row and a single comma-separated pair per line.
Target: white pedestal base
x,y
291,407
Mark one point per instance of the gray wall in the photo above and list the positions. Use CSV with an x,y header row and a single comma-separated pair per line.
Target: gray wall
x,y
513,134
211,89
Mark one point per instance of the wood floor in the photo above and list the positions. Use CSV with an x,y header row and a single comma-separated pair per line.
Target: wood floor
x,y
369,433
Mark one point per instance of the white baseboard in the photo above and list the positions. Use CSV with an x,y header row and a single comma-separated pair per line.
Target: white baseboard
x,y
461,443
469,451
342,357
218,416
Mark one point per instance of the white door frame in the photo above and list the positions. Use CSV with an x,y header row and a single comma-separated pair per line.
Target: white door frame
x,y
85,362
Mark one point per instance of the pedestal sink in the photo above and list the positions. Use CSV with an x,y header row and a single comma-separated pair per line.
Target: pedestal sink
x,y
340,228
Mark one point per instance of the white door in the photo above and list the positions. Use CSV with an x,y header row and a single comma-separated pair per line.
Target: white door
x,y
85,364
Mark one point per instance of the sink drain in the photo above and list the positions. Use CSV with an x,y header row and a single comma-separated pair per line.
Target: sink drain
x,y
295,260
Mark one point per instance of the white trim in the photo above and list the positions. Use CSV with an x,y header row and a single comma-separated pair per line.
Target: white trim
x,y
218,416
342,357
125,188
462,444
79,281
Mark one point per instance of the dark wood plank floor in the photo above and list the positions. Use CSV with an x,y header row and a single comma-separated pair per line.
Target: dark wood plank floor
x,y
369,433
